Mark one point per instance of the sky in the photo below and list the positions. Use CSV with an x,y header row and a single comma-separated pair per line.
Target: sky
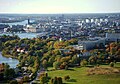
x,y
59,6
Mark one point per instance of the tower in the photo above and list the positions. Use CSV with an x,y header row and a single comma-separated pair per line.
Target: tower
x,y
28,21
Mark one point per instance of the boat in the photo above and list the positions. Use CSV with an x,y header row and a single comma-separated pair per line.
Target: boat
x,y
10,58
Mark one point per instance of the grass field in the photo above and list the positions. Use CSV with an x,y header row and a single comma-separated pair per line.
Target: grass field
x,y
79,76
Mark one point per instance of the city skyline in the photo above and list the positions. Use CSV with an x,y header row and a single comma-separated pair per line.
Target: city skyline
x,y
59,6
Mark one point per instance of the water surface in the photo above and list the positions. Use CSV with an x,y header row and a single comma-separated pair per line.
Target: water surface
x,y
10,61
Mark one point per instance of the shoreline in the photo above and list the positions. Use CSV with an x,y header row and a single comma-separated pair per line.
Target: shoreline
x,y
8,56
12,61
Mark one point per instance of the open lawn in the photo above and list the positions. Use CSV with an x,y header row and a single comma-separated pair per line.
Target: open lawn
x,y
79,76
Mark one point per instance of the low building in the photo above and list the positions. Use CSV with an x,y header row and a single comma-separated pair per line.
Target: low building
x,y
64,50
33,28
77,47
112,36
91,43
84,54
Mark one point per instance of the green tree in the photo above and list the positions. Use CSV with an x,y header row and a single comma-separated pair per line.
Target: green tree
x,y
83,62
51,60
111,64
66,67
75,59
45,64
92,60
59,80
43,79
56,65
9,73
66,77
56,80
26,78
13,82
1,76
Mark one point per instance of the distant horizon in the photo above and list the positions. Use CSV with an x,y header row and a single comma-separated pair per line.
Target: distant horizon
x,y
59,6
66,13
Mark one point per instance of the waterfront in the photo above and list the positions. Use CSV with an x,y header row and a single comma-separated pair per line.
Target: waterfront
x,y
10,61
23,35
17,23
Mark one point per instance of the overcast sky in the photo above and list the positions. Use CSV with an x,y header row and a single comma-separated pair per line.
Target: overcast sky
x,y
59,6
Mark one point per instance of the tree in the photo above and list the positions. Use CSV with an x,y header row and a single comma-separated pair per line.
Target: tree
x,y
59,80
66,77
13,82
6,66
38,53
15,54
51,60
56,52
59,45
83,62
45,64
9,73
111,64
51,81
1,45
56,80
73,41
66,67
63,65
56,65
37,62
65,59
43,79
1,76
25,78
92,60
75,59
